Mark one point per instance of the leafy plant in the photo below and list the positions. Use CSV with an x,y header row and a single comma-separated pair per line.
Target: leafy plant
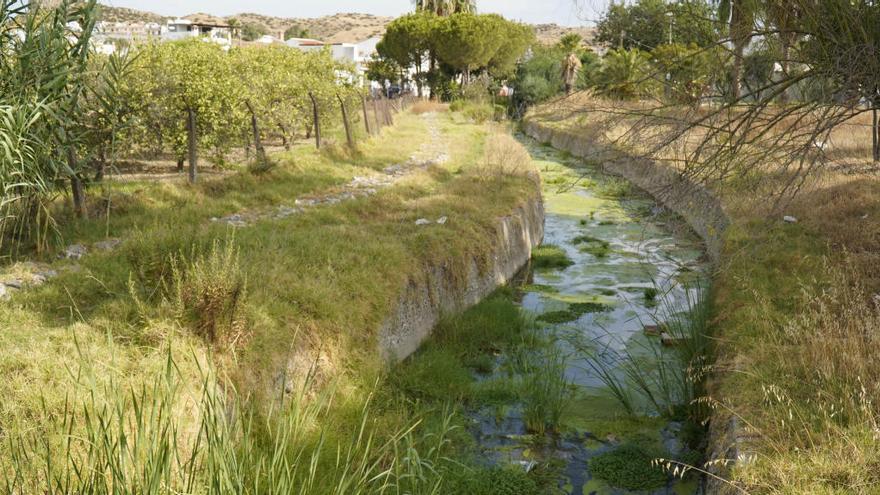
x,y
629,467
550,256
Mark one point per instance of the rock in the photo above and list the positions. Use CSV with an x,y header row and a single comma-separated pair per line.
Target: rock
x,y
669,340
14,284
108,245
4,293
422,221
47,274
75,252
442,220
789,219
653,330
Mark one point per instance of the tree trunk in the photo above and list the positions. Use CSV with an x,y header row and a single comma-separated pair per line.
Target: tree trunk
x,y
192,143
366,117
875,133
786,52
180,161
346,124
317,121
736,73
284,140
76,186
258,143
100,165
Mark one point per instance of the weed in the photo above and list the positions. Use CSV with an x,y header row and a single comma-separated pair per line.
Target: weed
x,y
629,467
550,256
597,247
545,391
209,290
510,480
573,312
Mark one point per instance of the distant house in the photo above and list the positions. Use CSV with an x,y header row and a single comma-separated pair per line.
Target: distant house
x,y
179,29
357,54
267,39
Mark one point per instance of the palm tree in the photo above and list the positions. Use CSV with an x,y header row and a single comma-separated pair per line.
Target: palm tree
x,y
571,66
446,7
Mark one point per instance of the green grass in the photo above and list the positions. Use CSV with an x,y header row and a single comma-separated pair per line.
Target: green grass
x,y
550,256
279,295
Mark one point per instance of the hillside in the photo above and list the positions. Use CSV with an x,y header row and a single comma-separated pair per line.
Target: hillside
x,y
337,28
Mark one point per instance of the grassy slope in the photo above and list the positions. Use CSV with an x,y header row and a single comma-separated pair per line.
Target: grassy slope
x,y
318,283
795,325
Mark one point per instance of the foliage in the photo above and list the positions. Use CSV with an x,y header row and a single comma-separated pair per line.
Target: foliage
x,y
43,82
550,256
629,467
296,31
407,41
687,71
624,74
209,292
252,31
511,480
446,7
644,24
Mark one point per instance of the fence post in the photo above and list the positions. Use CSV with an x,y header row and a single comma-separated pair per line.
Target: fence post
x,y
192,135
376,116
317,122
366,119
345,123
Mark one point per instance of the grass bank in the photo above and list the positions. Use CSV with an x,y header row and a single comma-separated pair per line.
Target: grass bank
x,y
795,323
159,349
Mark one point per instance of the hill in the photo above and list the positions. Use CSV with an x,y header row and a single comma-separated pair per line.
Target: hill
x,y
337,28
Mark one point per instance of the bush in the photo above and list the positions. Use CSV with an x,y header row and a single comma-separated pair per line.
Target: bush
x,y
209,290
479,112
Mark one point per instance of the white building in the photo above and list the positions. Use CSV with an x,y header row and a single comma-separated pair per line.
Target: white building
x,y
179,29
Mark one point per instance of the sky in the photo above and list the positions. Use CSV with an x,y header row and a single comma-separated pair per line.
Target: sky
x,y
563,12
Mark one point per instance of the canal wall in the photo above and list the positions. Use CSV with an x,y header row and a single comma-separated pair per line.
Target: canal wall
x,y
703,212
430,295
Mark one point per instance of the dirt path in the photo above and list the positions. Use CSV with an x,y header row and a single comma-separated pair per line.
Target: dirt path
x,y
434,151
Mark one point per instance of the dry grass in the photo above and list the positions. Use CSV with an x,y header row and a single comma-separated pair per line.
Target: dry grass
x,y
428,106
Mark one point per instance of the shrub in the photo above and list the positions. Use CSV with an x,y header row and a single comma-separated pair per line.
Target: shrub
x,y
479,112
209,290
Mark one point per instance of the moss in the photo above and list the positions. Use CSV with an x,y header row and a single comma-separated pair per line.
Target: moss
x,y
630,467
550,256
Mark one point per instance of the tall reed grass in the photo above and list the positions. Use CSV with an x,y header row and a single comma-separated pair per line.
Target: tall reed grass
x,y
159,439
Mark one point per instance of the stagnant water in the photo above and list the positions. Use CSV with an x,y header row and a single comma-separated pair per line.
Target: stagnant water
x,y
621,244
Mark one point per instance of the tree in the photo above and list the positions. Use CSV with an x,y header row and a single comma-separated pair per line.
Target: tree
x,y
516,38
408,40
383,69
571,66
571,43
645,24
190,82
624,74
467,42
296,31
784,17
686,71
252,31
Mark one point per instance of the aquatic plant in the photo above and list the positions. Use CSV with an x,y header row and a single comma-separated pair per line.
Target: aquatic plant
x,y
629,467
573,312
665,377
507,480
545,392
550,256
597,247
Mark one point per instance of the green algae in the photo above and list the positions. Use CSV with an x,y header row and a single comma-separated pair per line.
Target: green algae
x,y
573,312
631,467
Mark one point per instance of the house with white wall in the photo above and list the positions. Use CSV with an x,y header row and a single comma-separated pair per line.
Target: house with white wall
x,y
179,29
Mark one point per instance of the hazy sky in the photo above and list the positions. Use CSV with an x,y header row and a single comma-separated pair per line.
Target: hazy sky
x,y
565,12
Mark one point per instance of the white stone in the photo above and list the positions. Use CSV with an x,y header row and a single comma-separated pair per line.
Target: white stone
x,y
422,221
75,251
442,220
789,219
